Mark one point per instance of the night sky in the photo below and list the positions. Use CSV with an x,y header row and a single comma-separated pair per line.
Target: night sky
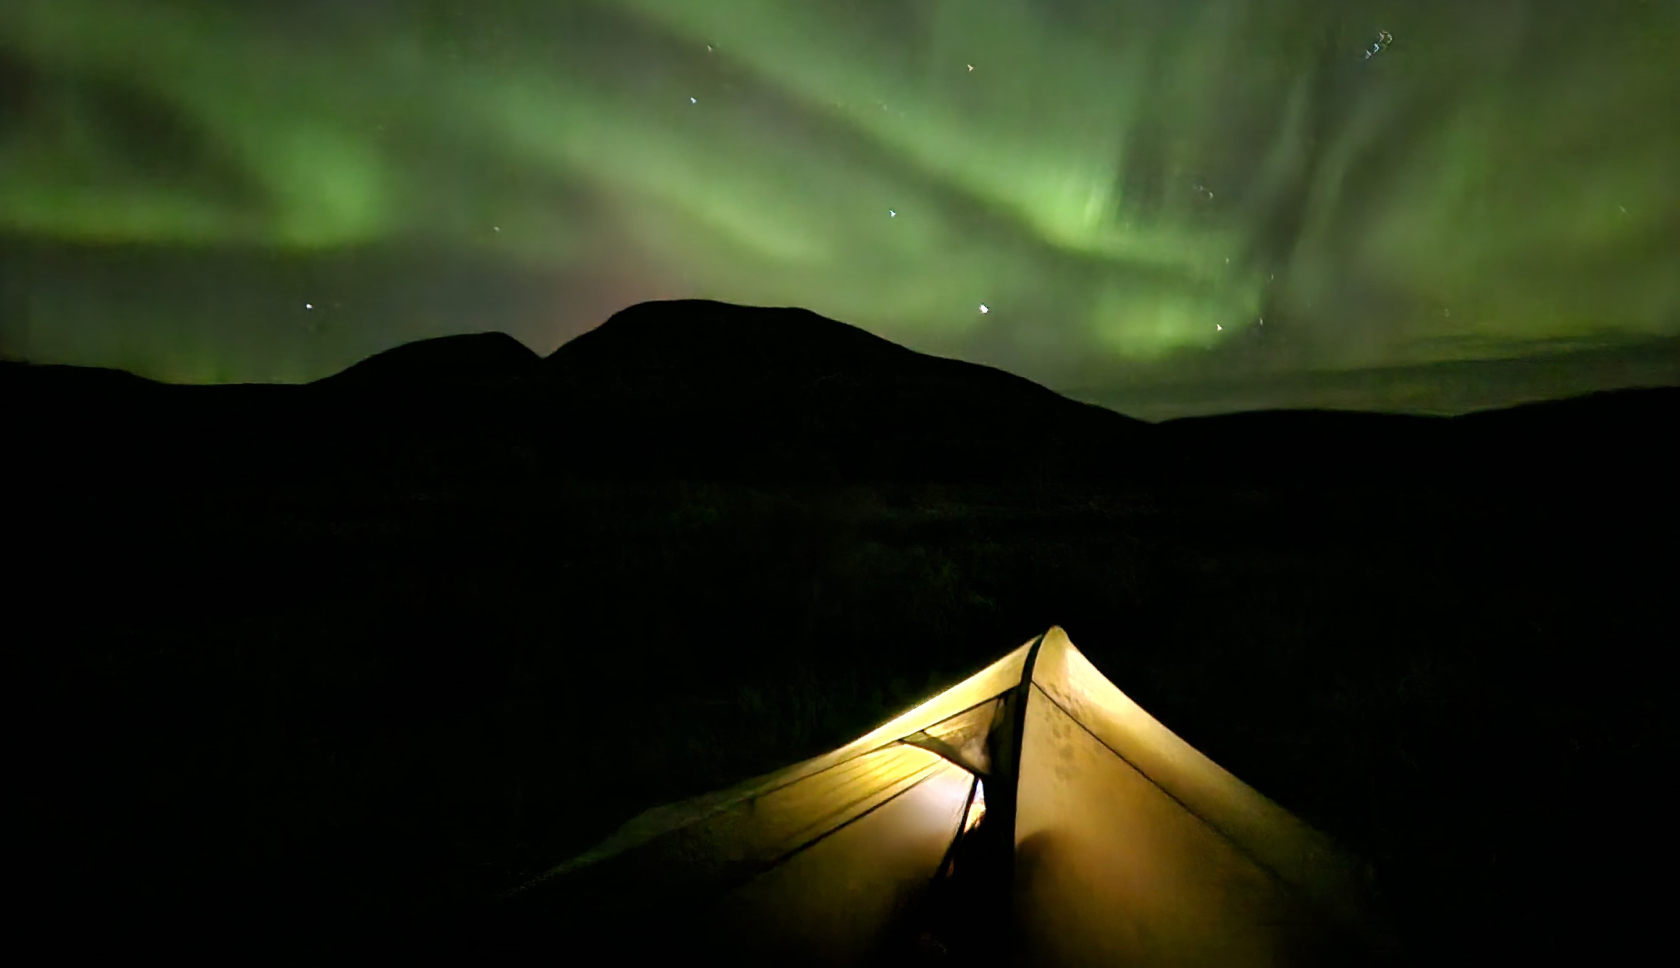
x,y
1201,204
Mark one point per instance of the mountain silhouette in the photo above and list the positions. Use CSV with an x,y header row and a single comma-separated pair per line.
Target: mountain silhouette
x,y
474,359
739,392
706,390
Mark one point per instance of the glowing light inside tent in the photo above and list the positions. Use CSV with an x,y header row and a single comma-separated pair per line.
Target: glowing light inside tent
x,y
977,809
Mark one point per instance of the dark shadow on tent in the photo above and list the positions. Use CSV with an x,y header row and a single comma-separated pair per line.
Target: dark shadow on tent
x,y
1032,814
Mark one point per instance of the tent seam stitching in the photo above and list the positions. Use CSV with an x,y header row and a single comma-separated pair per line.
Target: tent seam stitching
x,y
1267,868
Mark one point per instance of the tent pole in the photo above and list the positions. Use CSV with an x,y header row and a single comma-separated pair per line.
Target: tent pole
x,y
1005,752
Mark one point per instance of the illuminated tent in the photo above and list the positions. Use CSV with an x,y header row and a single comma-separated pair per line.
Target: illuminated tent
x,y
1032,813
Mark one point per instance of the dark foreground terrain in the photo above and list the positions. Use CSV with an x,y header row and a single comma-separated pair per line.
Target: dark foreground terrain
x,y
307,674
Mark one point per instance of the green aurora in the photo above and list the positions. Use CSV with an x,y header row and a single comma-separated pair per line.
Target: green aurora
x,y
1198,194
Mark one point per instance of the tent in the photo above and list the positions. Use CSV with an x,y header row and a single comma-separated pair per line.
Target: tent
x,y
1031,814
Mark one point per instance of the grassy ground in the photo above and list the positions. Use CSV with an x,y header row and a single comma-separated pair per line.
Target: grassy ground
x,y
301,705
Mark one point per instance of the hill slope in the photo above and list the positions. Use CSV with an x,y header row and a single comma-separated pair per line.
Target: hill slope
x,y
476,359
736,392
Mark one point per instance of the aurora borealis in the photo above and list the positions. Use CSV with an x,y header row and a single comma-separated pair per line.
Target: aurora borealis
x,y
1197,193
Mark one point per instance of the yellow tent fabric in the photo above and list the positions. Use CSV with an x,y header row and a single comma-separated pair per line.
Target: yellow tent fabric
x,y
1128,846
1133,848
